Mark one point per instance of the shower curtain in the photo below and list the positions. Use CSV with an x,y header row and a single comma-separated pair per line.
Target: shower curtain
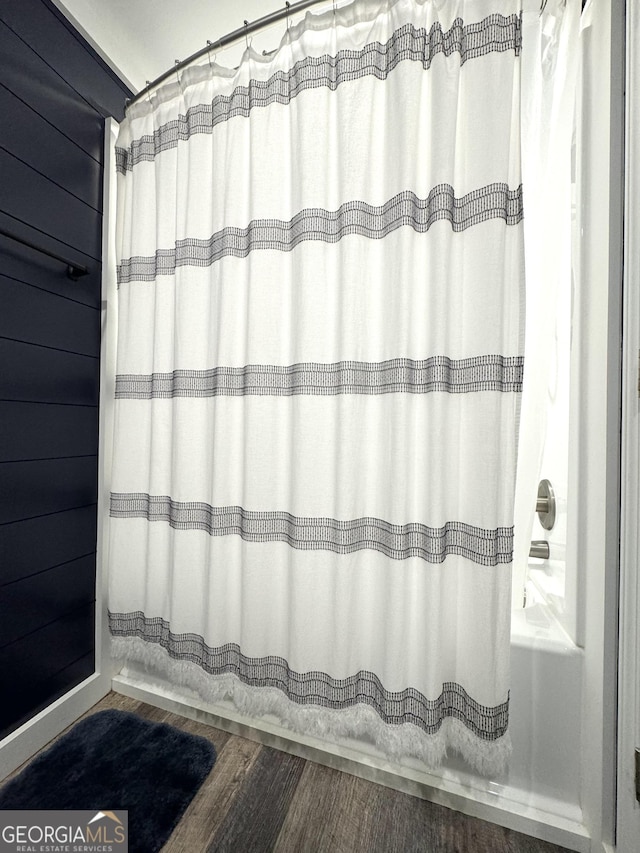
x,y
320,272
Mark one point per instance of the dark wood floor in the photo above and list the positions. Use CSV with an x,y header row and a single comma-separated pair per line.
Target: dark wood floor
x,y
257,800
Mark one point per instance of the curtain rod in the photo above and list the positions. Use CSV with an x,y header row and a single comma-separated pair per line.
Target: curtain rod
x,y
235,35
225,41
74,270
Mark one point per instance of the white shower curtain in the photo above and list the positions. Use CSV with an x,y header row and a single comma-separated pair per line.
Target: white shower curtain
x,y
320,262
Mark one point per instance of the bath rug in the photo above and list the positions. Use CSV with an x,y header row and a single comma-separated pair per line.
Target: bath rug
x,y
117,760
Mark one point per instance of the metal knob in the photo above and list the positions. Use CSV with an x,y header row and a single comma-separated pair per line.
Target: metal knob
x,y
546,504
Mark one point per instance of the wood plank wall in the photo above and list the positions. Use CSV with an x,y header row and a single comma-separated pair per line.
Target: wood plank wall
x,y
54,95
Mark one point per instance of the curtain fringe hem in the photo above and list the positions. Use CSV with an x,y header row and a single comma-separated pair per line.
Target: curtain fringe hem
x,y
489,758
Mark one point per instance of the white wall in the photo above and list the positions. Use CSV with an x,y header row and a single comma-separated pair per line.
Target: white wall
x,y
594,451
550,575
140,39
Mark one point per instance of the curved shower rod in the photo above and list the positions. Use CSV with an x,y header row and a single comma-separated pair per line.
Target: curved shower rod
x,y
239,33
225,41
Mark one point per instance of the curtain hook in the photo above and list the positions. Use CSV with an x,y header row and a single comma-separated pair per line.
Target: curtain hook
x,y
209,54
287,4
149,92
246,33
177,63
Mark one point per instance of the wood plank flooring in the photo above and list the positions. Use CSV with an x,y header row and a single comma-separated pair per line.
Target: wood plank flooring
x,y
260,800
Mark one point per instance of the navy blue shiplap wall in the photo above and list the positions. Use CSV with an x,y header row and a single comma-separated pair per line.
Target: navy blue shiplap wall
x,y
54,95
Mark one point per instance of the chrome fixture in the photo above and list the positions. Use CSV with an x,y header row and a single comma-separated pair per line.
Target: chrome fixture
x,y
546,504
539,549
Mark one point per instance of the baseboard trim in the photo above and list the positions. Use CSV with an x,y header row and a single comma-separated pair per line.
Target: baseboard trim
x,y
23,743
